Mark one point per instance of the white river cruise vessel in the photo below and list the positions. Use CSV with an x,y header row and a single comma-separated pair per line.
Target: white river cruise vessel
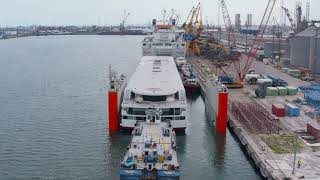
x,y
155,85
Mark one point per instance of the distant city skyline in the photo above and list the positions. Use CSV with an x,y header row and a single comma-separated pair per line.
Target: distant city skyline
x,y
106,12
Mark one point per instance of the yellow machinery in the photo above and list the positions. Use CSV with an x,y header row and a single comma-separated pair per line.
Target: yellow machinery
x,y
193,28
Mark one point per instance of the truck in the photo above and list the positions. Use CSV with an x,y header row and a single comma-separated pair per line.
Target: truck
x,y
276,81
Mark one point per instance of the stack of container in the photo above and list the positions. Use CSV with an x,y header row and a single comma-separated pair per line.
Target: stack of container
x,y
282,91
278,110
292,110
285,70
292,90
313,128
272,91
295,73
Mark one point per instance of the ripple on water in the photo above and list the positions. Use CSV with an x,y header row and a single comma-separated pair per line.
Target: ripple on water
x,y
53,114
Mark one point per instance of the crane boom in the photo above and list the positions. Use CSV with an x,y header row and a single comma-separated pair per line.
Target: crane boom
x,y
235,56
126,15
293,25
227,23
258,38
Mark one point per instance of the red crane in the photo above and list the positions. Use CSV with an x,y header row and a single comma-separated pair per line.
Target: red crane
x,y
254,48
256,43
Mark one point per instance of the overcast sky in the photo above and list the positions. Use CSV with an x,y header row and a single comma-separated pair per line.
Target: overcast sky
x,y
110,12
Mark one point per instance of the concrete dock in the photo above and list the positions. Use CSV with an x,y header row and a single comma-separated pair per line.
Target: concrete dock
x,y
272,164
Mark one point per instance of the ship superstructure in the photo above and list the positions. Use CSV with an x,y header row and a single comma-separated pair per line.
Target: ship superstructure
x,y
164,40
156,84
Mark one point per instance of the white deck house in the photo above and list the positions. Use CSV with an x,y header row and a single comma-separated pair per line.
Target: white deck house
x,y
155,92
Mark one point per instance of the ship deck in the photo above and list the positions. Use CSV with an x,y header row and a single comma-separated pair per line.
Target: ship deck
x,y
160,144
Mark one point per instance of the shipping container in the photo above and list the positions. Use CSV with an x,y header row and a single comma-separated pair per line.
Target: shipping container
x,y
282,91
278,110
313,128
272,91
292,90
292,110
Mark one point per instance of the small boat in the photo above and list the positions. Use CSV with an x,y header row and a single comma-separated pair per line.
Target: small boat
x,y
191,84
189,80
151,153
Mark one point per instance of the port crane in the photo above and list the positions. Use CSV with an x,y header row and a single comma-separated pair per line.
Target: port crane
x,y
173,15
293,25
193,27
126,15
255,46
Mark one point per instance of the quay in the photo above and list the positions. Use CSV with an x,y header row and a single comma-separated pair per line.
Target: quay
x,y
255,137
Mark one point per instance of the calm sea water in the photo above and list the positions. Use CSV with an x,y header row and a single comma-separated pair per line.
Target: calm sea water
x,y
53,113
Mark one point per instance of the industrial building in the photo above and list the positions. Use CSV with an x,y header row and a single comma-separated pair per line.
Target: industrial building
x,y
237,22
305,49
249,20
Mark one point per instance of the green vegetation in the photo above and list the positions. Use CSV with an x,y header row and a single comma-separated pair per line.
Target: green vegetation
x,y
282,144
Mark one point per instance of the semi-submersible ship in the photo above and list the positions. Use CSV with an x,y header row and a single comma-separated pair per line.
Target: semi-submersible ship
x,y
153,103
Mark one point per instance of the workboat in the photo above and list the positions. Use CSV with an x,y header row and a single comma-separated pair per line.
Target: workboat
x,y
189,80
152,152
164,40
155,84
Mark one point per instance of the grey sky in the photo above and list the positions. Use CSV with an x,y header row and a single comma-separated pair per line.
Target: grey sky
x,y
80,12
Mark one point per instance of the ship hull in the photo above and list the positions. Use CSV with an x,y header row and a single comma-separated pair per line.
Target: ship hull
x,y
192,89
138,175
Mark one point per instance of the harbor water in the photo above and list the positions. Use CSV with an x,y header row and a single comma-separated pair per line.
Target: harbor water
x,y
53,114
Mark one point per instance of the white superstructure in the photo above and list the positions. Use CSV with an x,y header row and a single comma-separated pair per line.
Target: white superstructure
x,y
156,85
164,40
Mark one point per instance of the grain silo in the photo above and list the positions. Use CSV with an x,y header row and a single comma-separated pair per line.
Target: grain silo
x,y
303,46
